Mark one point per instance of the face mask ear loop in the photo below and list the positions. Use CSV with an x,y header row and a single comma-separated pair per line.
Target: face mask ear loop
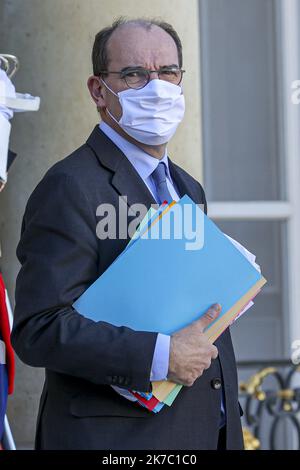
x,y
113,118
106,86
108,112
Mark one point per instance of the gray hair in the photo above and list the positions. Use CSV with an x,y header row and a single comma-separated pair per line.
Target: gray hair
x,y
99,53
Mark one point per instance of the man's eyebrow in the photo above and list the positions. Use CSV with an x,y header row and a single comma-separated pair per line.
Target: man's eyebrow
x,y
172,66
130,67
140,67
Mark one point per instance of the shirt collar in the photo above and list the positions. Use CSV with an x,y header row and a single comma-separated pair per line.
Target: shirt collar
x,y
144,163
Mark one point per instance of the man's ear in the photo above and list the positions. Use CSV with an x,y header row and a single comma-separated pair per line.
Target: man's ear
x,y
96,91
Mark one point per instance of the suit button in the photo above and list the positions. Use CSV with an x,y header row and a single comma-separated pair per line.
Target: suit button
x,y
121,380
216,383
127,381
114,379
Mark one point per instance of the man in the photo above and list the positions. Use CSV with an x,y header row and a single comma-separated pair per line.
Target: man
x,y
137,89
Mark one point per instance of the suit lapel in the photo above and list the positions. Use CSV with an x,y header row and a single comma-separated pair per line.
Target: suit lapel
x,y
128,182
184,183
126,179
181,184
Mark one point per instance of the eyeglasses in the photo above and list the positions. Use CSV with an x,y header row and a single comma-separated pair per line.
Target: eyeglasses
x,y
138,77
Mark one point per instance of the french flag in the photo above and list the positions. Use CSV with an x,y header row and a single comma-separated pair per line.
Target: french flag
x,y
7,360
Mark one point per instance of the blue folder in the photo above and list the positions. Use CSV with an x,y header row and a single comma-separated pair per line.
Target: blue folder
x,y
158,285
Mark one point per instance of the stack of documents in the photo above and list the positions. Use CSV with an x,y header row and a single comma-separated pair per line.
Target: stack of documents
x,y
177,264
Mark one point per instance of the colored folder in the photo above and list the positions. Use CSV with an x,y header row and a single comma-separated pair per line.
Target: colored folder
x,y
192,279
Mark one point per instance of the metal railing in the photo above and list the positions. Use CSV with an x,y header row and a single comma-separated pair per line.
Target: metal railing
x,y
273,405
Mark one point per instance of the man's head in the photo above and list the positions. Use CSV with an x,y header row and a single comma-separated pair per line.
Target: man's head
x,y
150,44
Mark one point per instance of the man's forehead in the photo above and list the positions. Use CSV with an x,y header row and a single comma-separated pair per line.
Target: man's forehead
x,y
137,45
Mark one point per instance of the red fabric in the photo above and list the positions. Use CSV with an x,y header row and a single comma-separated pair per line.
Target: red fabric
x,y
5,332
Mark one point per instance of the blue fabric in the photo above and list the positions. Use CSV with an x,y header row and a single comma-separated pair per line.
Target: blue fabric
x,y
160,362
3,390
160,179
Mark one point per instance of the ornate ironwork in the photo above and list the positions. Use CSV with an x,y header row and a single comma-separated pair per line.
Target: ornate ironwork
x,y
279,403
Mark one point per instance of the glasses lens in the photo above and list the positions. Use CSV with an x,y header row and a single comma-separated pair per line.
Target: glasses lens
x,y
136,78
171,75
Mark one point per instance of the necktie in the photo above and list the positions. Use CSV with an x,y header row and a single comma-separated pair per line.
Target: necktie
x,y
160,181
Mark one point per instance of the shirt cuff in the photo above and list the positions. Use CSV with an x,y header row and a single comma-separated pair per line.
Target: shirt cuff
x,y
160,362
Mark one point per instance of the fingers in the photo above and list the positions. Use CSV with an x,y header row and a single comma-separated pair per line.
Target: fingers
x,y
211,314
212,354
215,352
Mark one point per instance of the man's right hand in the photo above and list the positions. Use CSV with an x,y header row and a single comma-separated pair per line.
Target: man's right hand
x,y
190,351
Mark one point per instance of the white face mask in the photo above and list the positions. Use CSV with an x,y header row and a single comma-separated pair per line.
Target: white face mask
x,y
151,114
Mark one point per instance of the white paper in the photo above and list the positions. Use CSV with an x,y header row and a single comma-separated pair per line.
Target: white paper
x,y
251,258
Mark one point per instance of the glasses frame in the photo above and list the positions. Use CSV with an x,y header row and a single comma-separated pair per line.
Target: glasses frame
x,y
160,71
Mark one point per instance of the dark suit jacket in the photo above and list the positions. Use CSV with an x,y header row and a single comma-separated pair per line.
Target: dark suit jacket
x,y
61,256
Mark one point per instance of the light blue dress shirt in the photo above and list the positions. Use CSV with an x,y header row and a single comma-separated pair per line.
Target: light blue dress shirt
x,y
145,164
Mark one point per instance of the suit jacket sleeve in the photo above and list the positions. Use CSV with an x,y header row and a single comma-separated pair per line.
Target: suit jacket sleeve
x,y
58,251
